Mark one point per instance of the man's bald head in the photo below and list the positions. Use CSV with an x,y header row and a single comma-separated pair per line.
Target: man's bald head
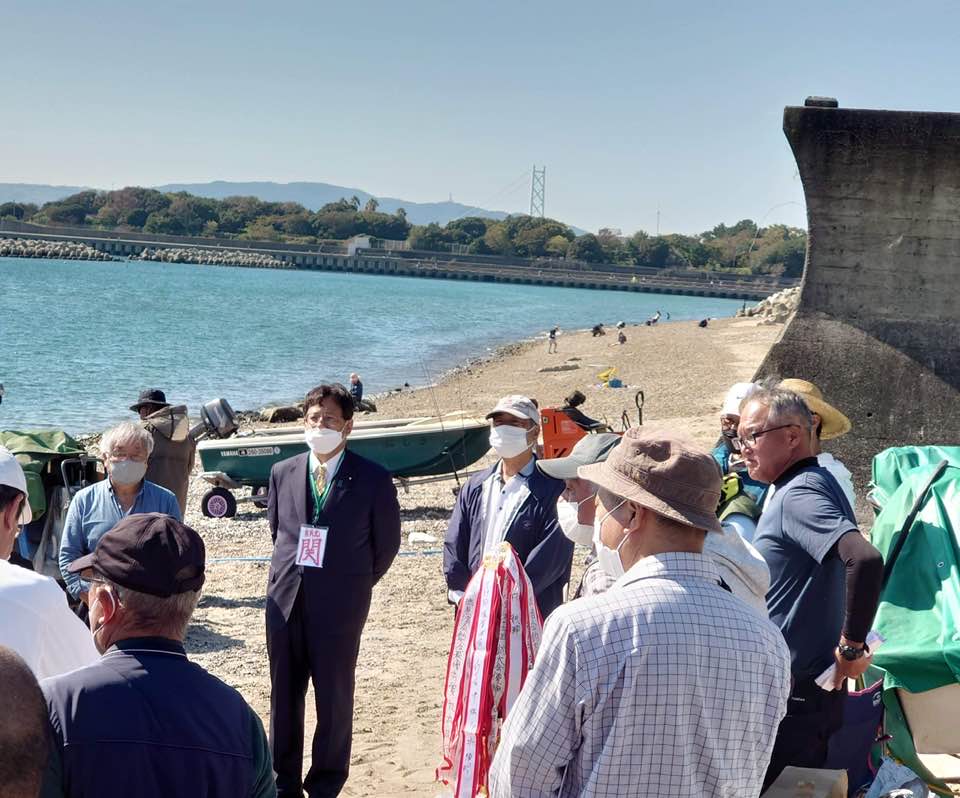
x,y
23,729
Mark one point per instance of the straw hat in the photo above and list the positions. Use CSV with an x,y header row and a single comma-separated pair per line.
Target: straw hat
x,y
663,473
835,423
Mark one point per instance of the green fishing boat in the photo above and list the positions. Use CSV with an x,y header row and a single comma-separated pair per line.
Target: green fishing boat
x,y
407,448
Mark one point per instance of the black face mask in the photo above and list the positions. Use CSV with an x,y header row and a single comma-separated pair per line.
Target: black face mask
x,y
728,438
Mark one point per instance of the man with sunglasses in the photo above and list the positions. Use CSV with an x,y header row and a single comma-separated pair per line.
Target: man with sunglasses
x,y
824,575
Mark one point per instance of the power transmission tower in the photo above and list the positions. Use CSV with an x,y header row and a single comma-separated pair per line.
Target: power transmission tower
x,y
538,190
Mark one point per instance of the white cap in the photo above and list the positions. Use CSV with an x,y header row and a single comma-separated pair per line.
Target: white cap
x,y
12,474
519,406
735,396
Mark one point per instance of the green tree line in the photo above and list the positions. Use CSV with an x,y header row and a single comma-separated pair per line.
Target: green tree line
x,y
182,214
741,248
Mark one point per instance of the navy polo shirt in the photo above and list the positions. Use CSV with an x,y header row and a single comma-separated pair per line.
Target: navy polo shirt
x,y
143,720
797,536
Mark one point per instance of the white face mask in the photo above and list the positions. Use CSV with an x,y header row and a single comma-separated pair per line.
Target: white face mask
x,y
568,514
322,440
127,472
509,441
609,558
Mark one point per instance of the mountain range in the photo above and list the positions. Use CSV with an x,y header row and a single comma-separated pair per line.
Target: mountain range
x,y
310,195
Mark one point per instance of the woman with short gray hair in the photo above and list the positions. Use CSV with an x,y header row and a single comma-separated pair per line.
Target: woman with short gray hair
x,y
125,450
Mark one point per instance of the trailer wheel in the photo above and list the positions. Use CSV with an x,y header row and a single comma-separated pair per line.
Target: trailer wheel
x,y
259,502
218,503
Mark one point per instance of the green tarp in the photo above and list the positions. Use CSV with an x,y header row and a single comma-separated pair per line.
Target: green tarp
x,y
919,612
34,450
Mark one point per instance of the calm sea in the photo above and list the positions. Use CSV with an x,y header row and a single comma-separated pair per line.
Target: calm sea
x,y
79,340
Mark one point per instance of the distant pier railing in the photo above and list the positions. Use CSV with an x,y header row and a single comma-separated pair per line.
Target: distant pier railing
x,y
334,257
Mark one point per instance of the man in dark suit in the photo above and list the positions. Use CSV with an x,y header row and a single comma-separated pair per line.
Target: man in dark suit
x,y
335,524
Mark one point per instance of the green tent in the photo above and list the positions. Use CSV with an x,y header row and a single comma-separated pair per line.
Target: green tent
x,y
37,451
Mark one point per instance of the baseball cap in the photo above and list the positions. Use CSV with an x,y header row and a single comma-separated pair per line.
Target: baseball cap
x,y
519,406
735,396
150,553
11,474
589,449
664,473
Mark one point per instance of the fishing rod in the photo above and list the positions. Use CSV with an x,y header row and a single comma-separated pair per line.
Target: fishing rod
x,y
436,405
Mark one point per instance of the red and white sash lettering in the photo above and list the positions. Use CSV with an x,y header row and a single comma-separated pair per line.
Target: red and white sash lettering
x,y
495,639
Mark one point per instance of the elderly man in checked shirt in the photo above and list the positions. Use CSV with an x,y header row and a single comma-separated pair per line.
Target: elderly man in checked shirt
x,y
667,684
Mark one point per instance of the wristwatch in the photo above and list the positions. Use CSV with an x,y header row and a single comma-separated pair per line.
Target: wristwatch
x,y
850,654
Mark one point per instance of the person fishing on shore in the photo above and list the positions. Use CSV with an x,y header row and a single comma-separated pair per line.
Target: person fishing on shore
x,y
514,502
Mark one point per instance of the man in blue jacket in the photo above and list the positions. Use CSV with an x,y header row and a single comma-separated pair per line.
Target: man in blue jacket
x,y
511,501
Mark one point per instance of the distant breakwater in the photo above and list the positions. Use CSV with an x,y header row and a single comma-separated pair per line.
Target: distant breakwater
x,y
220,257
61,250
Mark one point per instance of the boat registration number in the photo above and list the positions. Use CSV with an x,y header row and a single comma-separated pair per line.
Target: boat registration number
x,y
257,451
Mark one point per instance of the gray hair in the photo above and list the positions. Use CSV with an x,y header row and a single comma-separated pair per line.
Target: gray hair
x,y
170,615
783,405
126,433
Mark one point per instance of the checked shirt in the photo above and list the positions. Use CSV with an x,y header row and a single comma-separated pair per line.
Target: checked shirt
x,y
666,684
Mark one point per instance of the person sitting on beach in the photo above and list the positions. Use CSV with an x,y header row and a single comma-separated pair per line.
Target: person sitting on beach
x,y
510,501
356,389
96,509
621,338
164,725
36,621
571,409
666,661
729,460
576,507
828,423
23,729
174,449
596,330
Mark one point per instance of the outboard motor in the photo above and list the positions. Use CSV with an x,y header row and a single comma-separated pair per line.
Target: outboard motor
x,y
217,420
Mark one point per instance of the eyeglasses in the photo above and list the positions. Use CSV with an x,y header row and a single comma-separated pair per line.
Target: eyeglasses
x,y
750,439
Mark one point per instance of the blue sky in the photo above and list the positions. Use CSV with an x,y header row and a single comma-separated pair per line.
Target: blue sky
x,y
632,106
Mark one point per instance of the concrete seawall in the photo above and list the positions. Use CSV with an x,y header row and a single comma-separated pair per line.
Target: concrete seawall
x,y
328,257
878,325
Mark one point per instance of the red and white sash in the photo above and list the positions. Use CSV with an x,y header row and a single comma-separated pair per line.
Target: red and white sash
x,y
495,638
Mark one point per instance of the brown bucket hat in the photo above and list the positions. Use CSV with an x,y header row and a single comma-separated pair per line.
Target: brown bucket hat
x,y
664,473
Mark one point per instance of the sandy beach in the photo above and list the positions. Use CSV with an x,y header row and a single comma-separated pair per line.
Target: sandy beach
x,y
684,372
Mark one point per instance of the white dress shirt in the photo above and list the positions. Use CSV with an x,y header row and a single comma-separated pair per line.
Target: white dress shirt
x,y
332,465
499,503
38,624
666,684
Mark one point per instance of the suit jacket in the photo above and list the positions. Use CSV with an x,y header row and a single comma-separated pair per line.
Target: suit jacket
x,y
363,518
534,533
